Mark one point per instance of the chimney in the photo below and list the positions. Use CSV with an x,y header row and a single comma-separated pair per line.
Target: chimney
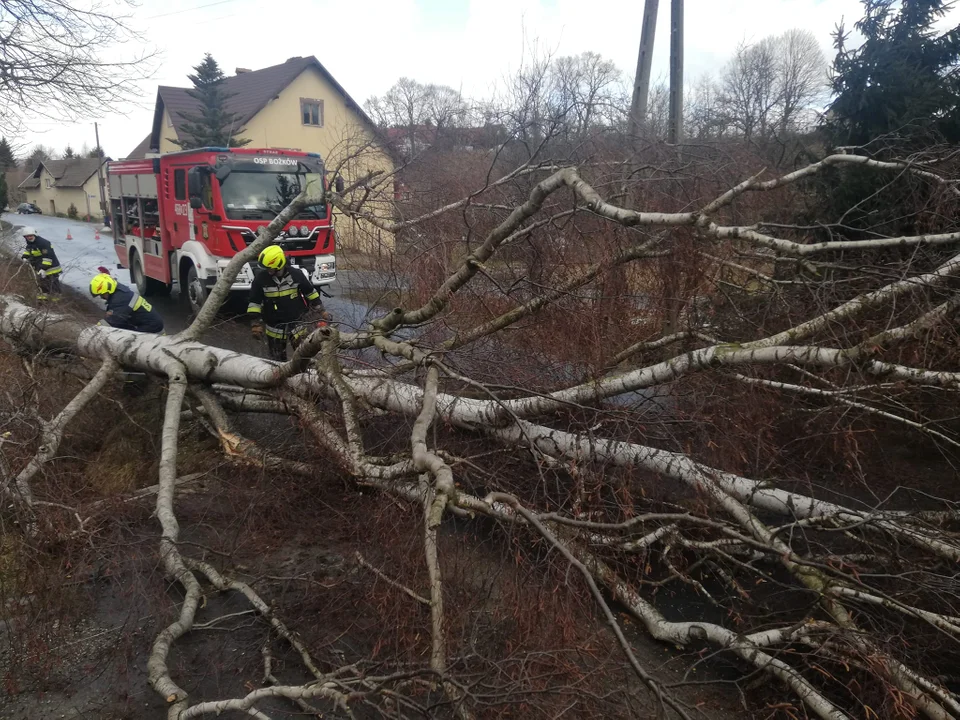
x,y
240,71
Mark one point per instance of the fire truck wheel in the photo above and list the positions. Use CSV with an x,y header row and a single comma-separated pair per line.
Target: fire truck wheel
x,y
146,286
196,292
137,275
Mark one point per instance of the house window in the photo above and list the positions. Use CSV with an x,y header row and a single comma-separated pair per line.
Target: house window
x,y
180,184
49,182
311,112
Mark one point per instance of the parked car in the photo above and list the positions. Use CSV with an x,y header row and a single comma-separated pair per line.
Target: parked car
x,y
28,209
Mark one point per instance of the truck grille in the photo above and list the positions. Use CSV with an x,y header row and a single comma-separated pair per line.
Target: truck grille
x,y
286,243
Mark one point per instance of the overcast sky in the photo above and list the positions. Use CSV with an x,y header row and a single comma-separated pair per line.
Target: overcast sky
x,y
468,44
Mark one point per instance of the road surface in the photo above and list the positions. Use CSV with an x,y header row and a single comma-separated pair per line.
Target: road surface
x,y
83,253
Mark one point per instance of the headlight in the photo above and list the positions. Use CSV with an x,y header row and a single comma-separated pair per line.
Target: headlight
x,y
292,231
324,267
304,230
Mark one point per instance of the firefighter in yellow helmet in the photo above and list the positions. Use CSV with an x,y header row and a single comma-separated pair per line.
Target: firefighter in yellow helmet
x,y
280,299
125,308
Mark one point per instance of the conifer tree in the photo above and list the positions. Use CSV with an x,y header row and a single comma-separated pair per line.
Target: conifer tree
x,y
7,160
901,81
214,125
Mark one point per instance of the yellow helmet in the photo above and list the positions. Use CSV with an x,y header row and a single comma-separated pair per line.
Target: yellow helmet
x,y
272,257
102,284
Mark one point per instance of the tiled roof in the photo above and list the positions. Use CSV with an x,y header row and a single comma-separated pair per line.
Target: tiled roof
x,y
66,173
249,91
141,150
55,167
76,172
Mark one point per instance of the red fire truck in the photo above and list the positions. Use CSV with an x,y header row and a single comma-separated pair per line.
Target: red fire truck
x,y
178,218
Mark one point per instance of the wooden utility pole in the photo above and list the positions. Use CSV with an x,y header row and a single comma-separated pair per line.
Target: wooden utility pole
x,y
103,200
676,71
641,85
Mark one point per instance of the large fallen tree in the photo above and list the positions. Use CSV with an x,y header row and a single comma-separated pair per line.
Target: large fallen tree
x,y
864,577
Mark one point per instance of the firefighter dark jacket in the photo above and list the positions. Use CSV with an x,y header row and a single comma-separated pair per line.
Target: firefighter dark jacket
x,y
41,256
128,311
282,299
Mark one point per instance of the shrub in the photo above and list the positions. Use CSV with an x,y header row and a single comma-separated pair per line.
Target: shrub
x,y
72,212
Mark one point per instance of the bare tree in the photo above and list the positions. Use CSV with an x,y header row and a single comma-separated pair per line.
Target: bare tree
x,y
802,78
523,104
658,110
423,112
751,90
52,62
773,85
589,90
447,108
705,116
404,105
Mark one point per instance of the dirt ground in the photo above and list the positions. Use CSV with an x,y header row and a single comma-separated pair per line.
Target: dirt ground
x,y
84,654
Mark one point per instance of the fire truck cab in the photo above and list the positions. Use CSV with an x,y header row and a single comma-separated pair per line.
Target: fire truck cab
x,y
178,218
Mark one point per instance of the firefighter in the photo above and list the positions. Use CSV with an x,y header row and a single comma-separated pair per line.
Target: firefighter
x,y
125,308
280,299
41,256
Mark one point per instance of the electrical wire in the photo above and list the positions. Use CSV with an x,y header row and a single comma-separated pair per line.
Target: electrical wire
x,y
191,9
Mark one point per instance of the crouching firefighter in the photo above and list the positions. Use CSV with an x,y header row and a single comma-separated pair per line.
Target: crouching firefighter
x,y
281,298
42,258
125,308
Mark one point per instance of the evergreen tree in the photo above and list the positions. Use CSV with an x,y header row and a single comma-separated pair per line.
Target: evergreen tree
x,y
95,153
902,81
38,155
69,154
214,125
7,160
4,199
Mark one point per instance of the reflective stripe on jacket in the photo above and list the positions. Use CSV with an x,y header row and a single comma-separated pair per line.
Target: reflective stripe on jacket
x,y
282,299
294,331
128,311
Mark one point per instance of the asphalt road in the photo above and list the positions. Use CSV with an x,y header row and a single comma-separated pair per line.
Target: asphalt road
x,y
81,255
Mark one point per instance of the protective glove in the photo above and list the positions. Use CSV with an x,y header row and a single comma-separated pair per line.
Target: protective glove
x,y
317,317
41,274
256,330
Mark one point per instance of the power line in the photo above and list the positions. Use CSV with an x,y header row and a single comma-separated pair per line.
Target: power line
x,y
198,7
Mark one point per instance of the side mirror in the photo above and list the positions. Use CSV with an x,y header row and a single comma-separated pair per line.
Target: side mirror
x,y
338,183
195,202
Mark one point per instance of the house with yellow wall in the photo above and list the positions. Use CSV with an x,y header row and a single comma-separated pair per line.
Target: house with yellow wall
x,y
297,105
55,185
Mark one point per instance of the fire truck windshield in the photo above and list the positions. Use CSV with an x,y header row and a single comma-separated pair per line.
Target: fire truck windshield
x,y
262,195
